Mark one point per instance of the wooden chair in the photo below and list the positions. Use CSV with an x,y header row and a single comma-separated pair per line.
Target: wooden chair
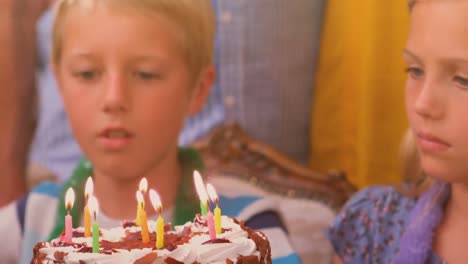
x,y
308,200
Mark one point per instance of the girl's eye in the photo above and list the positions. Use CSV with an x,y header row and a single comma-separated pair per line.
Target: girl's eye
x,y
414,72
463,82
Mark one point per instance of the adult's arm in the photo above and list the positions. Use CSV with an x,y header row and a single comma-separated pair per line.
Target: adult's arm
x,y
18,61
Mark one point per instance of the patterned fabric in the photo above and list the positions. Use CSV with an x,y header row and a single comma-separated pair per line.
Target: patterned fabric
x,y
41,213
369,227
267,55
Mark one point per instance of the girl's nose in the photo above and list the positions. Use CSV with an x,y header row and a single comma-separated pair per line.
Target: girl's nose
x,y
430,103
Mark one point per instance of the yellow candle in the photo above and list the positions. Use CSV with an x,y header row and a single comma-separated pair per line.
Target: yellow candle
x,y
156,202
87,220
144,227
160,233
217,215
217,212
142,187
141,217
138,215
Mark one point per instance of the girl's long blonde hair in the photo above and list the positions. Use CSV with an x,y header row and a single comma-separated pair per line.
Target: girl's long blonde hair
x,y
415,181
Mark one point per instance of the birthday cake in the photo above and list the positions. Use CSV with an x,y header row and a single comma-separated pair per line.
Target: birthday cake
x,y
189,243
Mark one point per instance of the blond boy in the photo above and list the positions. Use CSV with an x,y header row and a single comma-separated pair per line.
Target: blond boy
x,y
129,73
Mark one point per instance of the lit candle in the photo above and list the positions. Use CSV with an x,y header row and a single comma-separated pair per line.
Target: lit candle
x,y
156,202
211,225
69,200
89,188
217,211
143,219
143,187
201,192
93,207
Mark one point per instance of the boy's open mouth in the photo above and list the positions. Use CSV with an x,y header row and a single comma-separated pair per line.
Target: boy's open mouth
x,y
115,133
115,138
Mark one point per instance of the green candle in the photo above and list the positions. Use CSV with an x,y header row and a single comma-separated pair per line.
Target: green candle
x,y
200,187
95,237
204,208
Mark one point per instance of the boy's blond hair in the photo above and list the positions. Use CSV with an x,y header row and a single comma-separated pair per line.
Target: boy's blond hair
x,y
194,20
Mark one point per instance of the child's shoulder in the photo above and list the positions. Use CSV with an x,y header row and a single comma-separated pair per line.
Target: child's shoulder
x,y
370,224
376,199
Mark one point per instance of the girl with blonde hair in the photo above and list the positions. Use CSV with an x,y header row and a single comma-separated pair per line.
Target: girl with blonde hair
x,y
425,222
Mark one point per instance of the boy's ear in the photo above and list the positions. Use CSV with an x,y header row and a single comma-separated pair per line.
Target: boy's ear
x,y
201,90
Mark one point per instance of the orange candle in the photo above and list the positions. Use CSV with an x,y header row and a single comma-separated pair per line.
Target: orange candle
x,y
87,214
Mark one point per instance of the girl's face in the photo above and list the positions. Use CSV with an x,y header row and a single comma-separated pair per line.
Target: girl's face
x,y
126,88
437,87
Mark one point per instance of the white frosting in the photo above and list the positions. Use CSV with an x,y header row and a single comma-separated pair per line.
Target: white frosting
x,y
190,252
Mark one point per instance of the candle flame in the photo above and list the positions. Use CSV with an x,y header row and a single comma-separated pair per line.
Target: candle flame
x,y
212,193
155,201
69,198
139,197
89,188
93,205
143,185
200,187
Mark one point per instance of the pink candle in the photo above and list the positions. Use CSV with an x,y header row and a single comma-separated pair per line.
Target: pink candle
x,y
68,229
69,200
211,225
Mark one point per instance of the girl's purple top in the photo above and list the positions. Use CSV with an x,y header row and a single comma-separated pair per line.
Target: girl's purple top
x,y
369,227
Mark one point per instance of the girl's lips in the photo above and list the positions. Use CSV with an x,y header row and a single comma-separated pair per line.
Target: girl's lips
x,y
430,143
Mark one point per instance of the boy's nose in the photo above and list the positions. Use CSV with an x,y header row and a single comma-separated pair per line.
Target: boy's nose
x,y
430,102
115,95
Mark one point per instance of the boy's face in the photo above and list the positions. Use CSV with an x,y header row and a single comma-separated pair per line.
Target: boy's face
x,y
126,88
437,86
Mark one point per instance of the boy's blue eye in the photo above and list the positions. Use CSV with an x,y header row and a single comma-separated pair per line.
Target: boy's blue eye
x,y
461,81
414,72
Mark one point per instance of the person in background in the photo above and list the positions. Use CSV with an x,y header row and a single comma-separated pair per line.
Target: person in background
x,y
424,221
17,71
